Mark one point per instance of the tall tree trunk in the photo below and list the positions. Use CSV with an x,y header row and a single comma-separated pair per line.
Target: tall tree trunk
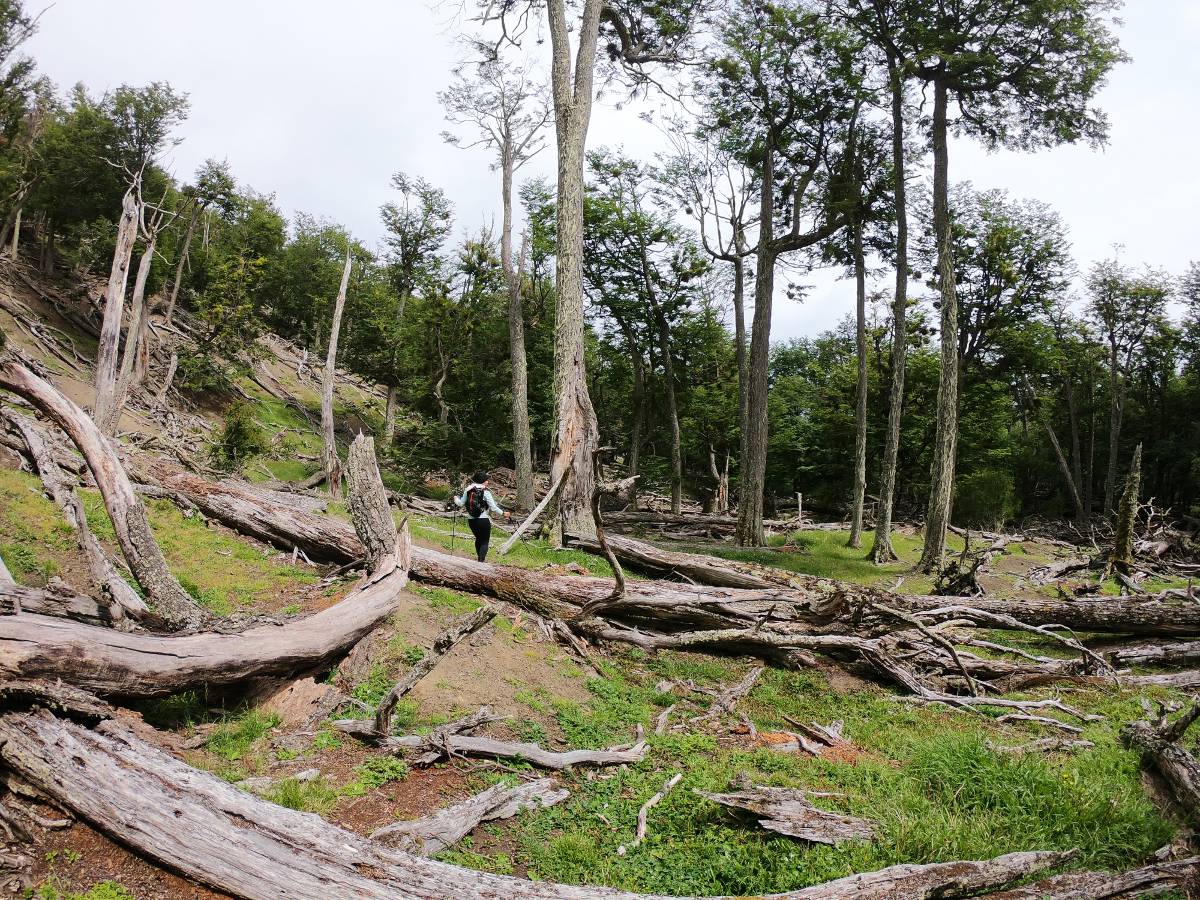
x,y
860,409
721,482
183,257
15,248
1122,556
1076,454
522,452
114,303
739,333
169,378
1072,484
1115,411
639,415
133,334
333,463
664,348
389,416
46,263
941,493
881,550
754,435
576,430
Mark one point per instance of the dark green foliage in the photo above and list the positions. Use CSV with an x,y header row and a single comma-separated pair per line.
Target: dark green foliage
x,y
239,439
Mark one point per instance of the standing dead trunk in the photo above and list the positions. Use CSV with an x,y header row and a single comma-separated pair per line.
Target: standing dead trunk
x,y
522,449
576,435
15,249
114,304
1122,555
721,481
333,463
860,408
125,509
881,550
1083,509
739,331
945,442
369,508
183,258
169,378
135,333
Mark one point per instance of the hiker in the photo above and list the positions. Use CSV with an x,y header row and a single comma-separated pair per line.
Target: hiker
x,y
478,501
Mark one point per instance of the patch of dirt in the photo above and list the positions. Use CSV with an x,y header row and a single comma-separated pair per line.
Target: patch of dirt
x,y
77,858
421,793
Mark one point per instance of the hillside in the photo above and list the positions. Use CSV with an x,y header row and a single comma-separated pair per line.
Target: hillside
x,y
935,784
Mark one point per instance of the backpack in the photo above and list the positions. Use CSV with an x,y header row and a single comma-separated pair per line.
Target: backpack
x,y
476,502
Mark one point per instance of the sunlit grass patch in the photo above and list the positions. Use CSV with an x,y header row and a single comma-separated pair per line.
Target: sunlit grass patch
x,y
233,740
32,529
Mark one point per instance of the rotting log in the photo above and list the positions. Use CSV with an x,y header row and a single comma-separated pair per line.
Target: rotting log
x,y
206,829
1156,878
369,510
124,507
432,834
697,568
789,811
52,600
1159,743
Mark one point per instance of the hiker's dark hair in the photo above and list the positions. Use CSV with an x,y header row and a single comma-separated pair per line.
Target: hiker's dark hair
x,y
480,476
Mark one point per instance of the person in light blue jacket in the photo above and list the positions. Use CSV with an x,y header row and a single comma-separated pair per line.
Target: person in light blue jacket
x,y
478,501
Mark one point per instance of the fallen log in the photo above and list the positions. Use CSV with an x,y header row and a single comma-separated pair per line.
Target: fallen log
x,y
52,600
123,600
199,825
696,568
1156,878
145,665
125,509
788,811
434,833
1159,743
657,605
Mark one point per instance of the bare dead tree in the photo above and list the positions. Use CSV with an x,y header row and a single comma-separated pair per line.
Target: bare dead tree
x,y
333,463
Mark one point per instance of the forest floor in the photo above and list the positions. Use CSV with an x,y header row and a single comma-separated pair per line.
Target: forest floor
x,y
935,782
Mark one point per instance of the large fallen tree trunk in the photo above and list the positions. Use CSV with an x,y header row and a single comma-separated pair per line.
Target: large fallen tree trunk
x,y
111,662
1159,743
1157,878
125,509
52,600
194,823
123,600
694,567
658,605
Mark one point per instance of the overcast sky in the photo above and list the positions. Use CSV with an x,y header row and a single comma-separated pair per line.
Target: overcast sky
x,y
320,103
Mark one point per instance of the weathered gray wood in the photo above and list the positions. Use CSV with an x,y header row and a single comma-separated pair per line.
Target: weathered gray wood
x,y
788,811
125,509
533,515
124,601
333,464
199,825
369,508
52,600
434,833
1157,878
1178,767
114,304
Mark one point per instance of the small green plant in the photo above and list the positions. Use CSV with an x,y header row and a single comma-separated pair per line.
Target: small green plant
x,y
375,772
291,609
239,439
412,654
307,796
326,739
233,739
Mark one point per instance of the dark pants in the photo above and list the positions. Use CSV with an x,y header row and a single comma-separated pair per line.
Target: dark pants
x,y
482,529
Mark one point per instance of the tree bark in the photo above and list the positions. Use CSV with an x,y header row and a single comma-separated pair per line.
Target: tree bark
x,y
1115,415
223,837
114,305
860,407
125,509
1122,554
123,600
664,347
389,416
1178,767
183,257
333,463
168,378
1083,510
941,493
369,511
513,274
739,335
576,431
134,334
881,549
754,435
15,248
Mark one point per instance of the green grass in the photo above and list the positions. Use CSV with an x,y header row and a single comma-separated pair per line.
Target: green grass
x,y
234,739
101,890
32,529
926,776
307,796
443,598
